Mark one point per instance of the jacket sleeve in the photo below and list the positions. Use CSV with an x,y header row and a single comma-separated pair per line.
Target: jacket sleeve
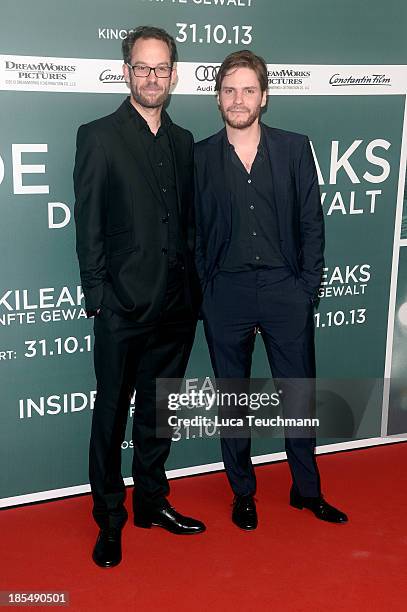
x,y
200,259
90,185
311,222
191,212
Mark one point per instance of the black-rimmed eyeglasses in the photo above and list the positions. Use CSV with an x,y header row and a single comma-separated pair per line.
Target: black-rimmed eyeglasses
x,y
162,71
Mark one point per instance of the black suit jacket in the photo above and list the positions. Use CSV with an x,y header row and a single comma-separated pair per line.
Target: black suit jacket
x,y
297,202
121,232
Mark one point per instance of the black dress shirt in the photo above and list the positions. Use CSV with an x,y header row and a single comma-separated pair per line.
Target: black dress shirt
x,y
255,240
159,153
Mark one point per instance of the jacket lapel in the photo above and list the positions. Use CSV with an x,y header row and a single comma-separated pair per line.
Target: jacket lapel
x,y
177,168
280,175
218,174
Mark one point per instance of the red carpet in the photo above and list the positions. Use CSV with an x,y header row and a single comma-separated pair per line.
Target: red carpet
x,y
292,562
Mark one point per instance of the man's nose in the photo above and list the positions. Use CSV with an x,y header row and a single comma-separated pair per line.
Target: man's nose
x,y
152,76
238,97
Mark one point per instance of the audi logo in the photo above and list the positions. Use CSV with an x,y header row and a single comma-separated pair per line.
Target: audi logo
x,y
207,73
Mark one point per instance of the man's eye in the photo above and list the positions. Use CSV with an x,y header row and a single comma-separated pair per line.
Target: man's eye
x,y
163,69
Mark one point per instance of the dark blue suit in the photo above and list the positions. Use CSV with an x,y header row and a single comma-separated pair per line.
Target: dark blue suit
x,y
278,301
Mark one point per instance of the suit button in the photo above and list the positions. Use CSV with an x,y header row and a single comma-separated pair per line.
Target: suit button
x,y
164,251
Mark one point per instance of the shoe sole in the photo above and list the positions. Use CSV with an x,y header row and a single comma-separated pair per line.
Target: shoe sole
x,y
104,566
246,528
148,525
299,507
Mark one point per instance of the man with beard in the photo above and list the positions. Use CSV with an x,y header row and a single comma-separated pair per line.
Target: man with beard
x,y
135,239
260,241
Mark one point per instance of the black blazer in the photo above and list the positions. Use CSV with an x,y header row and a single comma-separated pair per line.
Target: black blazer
x,y
297,202
121,232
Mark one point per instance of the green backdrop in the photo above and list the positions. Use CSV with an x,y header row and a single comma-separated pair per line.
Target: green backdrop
x,y
337,73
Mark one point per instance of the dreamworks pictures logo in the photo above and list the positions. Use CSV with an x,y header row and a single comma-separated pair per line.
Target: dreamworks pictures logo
x,y
288,78
41,72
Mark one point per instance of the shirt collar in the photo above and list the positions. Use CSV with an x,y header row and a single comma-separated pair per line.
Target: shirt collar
x,y
261,146
141,123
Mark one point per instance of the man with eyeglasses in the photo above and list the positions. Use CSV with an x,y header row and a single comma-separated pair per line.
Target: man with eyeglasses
x,y
133,182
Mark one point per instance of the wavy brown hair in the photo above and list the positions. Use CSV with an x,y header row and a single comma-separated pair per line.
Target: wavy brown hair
x,y
148,32
243,59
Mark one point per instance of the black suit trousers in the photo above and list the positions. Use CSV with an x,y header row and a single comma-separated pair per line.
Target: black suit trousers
x,y
130,356
235,303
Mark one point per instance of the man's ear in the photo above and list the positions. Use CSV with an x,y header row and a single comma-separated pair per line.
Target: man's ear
x,y
174,76
264,99
126,73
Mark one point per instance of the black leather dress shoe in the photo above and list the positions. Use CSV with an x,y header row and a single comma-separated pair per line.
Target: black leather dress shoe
x,y
167,518
319,507
108,548
244,513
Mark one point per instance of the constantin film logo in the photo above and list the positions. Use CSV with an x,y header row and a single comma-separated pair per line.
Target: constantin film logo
x,y
288,78
107,77
349,80
42,72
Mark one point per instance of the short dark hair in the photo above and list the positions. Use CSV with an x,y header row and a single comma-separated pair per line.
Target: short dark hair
x,y
147,32
243,59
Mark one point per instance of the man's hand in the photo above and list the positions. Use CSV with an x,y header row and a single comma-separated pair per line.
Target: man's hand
x,y
92,313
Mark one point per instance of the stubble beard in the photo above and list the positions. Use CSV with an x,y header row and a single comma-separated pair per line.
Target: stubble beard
x,y
240,123
142,97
